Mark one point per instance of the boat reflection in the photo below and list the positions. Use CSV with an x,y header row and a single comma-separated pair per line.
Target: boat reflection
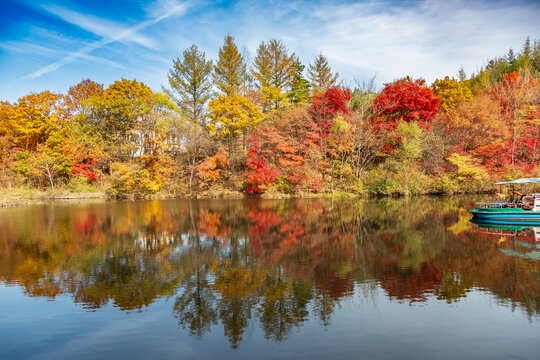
x,y
514,240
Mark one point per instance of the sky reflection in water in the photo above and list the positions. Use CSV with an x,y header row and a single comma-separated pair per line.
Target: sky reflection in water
x,y
273,279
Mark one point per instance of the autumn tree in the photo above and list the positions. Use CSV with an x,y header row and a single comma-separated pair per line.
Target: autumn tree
x,y
191,85
8,116
320,75
126,116
75,102
450,92
341,143
476,127
273,66
407,100
401,173
272,102
37,114
210,170
189,144
512,94
260,172
231,117
324,109
367,143
44,165
331,113
292,146
230,69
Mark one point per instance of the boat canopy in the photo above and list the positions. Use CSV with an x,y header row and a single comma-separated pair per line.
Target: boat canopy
x,y
520,181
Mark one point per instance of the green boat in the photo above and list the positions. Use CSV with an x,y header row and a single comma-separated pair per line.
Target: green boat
x,y
517,209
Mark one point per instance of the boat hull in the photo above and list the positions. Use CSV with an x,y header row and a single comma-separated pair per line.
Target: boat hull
x,y
506,216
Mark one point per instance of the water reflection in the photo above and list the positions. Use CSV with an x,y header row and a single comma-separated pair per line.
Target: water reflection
x,y
513,240
277,263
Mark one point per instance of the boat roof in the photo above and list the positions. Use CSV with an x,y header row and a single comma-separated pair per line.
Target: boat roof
x,y
520,181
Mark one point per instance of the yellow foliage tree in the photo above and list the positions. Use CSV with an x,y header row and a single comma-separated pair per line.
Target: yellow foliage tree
x,y
230,117
35,118
451,91
8,114
466,168
8,117
233,115
273,99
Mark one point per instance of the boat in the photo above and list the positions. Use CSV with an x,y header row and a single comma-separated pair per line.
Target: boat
x,y
514,208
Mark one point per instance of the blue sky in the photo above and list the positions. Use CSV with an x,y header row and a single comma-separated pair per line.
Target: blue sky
x,y
54,44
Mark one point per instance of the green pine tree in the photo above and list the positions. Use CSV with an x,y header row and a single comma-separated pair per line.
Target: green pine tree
x,y
190,83
299,93
527,49
462,75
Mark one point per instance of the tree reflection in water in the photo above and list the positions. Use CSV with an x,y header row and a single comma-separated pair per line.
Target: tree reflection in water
x,y
278,263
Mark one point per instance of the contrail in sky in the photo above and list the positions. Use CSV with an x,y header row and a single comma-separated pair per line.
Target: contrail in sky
x,y
179,9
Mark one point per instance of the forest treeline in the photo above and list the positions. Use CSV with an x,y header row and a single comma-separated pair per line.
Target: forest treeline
x,y
232,126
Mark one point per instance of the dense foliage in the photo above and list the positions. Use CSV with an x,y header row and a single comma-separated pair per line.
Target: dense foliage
x,y
228,127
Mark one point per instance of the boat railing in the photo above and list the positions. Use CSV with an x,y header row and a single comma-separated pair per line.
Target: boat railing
x,y
500,204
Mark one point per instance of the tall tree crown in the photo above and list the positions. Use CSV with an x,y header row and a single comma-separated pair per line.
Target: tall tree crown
x,y
299,93
274,66
191,83
230,69
320,75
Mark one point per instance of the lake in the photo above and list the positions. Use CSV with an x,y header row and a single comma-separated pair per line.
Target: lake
x,y
266,279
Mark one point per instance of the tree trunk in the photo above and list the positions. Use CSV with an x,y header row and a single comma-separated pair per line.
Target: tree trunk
x,y
232,161
513,138
49,174
191,177
192,171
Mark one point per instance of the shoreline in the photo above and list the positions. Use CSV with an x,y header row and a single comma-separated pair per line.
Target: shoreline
x,y
29,197
35,197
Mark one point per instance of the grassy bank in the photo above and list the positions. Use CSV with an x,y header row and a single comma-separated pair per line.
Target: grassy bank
x,y
22,196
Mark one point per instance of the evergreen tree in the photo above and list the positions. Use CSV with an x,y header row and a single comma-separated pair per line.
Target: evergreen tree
x,y
190,81
299,93
320,75
526,52
511,57
462,75
536,56
273,66
230,70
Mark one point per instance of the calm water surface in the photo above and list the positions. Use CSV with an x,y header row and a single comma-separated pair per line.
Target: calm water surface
x,y
261,279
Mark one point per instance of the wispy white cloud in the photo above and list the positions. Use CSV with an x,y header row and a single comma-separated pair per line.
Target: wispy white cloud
x,y
428,38
102,60
103,28
431,40
26,48
176,9
30,49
